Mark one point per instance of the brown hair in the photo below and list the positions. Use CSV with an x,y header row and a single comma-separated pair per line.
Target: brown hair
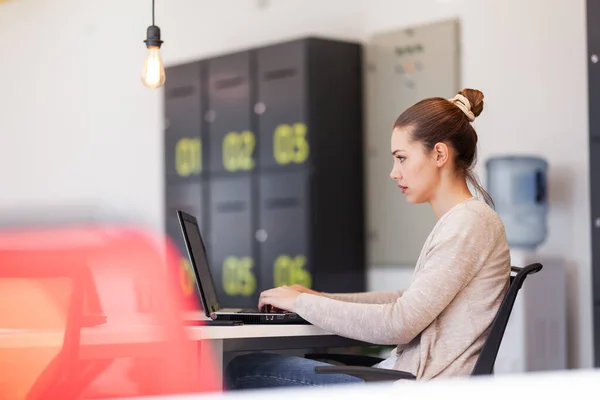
x,y
436,120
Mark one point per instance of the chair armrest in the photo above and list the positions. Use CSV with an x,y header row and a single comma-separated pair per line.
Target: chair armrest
x,y
347,359
367,373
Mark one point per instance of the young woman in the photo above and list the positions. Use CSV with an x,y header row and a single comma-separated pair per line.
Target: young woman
x,y
440,322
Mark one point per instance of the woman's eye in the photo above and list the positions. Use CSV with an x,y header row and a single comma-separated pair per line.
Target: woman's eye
x,y
400,158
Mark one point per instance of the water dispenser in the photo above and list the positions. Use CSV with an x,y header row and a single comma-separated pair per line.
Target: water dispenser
x,y
517,185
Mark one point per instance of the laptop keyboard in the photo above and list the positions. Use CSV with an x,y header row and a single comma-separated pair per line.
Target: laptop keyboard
x,y
264,309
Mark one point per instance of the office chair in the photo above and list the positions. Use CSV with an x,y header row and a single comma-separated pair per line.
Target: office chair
x,y
361,366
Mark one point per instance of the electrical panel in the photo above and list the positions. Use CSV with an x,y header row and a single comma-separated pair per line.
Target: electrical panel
x,y
402,67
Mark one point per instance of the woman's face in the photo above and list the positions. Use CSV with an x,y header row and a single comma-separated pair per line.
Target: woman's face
x,y
415,169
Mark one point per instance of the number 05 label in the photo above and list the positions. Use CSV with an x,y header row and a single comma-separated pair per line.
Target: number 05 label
x,y
238,276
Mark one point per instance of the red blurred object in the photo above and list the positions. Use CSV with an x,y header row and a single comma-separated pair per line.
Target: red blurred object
x,y
89,311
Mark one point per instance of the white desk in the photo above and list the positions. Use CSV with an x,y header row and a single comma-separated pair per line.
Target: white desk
x,y
106,341
269,337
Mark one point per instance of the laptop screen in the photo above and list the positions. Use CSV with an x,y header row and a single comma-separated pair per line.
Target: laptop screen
x,y
197,253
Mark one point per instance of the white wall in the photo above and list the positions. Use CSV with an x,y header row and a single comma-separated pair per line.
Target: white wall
x,y
76,124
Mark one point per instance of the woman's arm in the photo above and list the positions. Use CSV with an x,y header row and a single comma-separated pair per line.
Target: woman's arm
x,y
457,253
366,297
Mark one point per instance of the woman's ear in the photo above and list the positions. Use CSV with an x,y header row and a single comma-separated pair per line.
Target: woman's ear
x,y
441,154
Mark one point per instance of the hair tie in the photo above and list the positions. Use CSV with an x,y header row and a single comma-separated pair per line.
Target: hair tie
x,y
463,103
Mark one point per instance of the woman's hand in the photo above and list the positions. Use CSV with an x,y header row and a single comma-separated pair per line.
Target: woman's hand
x,y
302,289
282,297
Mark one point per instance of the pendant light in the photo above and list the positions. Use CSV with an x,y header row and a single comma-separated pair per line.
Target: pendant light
x,y
153,73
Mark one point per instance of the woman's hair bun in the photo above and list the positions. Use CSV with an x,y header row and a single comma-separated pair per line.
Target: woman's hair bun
x,y
475,97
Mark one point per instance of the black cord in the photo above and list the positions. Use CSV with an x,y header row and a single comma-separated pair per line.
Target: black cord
x,y
152,12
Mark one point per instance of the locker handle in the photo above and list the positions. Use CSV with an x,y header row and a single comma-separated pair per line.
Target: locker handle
x,y
231,206
182,91
280,73
229,82
282,202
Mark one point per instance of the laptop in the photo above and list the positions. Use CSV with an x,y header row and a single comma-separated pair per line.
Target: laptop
x,y
206,286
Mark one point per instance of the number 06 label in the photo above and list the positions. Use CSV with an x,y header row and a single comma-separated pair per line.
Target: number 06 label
x,y
288,271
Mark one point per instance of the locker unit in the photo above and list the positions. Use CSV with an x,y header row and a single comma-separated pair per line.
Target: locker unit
x,y
231,252
284,247
280,188
593,44
281,125
229,114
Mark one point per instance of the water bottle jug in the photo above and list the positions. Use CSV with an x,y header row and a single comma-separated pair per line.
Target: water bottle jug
x,y
517,185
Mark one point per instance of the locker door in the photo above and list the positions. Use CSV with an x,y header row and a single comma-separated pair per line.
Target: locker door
x,y
593,47
596,308
232,142
595,210
231,250
283,230
186,197
593,54
183,125
281,106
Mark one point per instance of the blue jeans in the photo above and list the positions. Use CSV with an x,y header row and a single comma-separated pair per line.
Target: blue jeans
x,y
264,370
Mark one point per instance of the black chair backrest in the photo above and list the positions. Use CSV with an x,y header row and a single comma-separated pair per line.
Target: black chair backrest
x,y
487,357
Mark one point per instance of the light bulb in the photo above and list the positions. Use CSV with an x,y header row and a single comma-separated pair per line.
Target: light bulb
x,y
153,73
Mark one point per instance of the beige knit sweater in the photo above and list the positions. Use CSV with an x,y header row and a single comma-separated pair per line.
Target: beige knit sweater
x,y
440,322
